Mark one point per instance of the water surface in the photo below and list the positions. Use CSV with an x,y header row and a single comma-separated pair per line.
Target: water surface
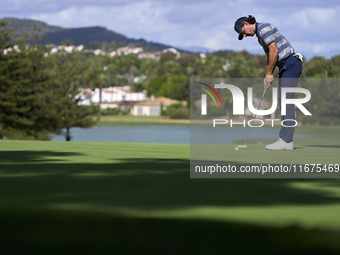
x,y
168,134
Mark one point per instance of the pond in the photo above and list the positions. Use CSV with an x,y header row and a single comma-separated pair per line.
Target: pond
x,y
168,134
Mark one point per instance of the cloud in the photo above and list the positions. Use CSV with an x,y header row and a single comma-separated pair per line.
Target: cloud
x,y
326,49
317,19
183,23
130,19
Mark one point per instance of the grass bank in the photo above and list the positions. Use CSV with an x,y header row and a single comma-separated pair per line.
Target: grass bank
x,y
129,120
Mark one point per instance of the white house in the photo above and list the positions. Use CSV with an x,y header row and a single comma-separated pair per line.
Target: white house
x,y
153,107
174,51
111,97
99,52
147,55
128,50
113,54
79,47
54,50
69,49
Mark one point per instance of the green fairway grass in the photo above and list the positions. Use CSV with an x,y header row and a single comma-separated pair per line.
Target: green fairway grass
x,y
129,120
125,198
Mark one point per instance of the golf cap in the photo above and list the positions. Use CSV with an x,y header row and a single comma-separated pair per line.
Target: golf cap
x,y
238,27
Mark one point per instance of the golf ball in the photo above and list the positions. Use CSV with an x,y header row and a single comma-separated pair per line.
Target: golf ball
x,y
236,149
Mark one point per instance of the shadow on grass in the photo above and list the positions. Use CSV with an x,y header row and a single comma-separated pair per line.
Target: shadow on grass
x,y
33,156
140,183
27,224
79,234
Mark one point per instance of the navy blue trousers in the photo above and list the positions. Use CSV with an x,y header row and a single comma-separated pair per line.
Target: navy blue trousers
x,y
289,73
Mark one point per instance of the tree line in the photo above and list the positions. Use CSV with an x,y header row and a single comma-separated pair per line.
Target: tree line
x,y
39,94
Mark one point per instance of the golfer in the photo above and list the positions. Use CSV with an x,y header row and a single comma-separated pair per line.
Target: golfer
x,y
279,53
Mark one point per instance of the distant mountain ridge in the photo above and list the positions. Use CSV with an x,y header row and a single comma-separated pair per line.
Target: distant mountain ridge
x,y
85,35
21,26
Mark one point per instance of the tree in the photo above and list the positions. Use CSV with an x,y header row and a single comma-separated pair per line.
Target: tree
x,y
149,67
170,68
177,87
25,99
168,56
8,60
319,67
186,62
67,42
126,67
156,84
112,45
68,83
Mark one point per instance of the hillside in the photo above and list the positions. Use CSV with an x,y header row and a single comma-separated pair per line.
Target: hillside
x,y
85,35
21,26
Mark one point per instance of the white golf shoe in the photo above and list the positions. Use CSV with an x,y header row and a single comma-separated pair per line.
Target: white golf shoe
x,y
280,145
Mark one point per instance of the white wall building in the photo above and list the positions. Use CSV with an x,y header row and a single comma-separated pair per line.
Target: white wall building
x,y
174,51
147,55
128,50
153,107
112,95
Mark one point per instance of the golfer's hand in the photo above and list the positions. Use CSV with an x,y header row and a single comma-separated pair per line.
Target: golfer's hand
x,y
268,80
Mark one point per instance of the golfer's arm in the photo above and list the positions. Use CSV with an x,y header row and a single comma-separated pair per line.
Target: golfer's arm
x,y
272,58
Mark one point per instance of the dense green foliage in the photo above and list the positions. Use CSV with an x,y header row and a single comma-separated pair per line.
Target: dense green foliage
x,y
324,102
177,111
68,76
26,109
112,111
38,95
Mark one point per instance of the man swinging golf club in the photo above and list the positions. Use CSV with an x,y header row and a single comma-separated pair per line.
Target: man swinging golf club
x,y
279,53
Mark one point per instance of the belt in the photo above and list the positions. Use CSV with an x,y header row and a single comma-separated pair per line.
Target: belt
x,y
297,55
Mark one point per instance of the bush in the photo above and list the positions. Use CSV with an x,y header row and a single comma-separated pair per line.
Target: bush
x,y
336,121
177,111
308,120
325,121
112,111
217,111
138,87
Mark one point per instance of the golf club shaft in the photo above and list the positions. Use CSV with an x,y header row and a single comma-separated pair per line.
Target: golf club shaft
x,y
264,92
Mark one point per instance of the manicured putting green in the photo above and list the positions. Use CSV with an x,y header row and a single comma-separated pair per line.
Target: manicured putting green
x,y
59,186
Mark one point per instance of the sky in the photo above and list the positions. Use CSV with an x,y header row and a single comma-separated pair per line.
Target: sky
x,y
309,25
